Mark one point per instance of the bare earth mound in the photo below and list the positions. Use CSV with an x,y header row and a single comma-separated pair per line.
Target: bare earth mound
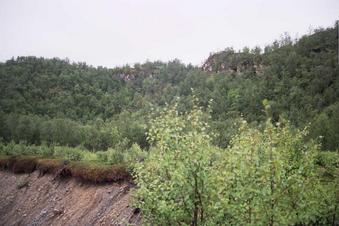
x,y
27,199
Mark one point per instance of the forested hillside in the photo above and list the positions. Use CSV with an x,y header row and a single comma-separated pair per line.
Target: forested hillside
x,y
55,101
249,138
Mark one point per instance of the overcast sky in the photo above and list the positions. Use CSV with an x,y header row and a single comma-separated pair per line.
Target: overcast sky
x,y
116,32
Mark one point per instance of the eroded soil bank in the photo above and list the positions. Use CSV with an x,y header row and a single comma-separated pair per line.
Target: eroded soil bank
x,y
27,199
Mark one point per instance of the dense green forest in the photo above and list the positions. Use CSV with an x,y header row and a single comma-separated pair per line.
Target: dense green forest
x,y
249,138
54,101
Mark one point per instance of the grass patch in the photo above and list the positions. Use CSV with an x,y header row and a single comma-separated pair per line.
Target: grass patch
x,y
111,156
49,166
25,164
4,160
64,162
88,171
98,173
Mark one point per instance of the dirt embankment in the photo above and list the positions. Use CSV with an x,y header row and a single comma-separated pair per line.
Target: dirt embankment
x,y
27,199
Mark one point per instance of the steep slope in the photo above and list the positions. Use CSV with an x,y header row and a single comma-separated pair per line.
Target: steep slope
x,y
28,199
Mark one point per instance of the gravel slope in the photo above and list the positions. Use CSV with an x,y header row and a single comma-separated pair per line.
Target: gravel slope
x,y
45,201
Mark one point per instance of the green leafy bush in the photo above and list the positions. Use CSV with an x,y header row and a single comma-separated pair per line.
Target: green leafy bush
x,y
328,159
114,156
102,156
73,154
134,154
175,181
270,178
111,156
45,151
265,177
16,149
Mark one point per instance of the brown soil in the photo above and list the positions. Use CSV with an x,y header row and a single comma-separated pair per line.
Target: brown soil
x,y
27,199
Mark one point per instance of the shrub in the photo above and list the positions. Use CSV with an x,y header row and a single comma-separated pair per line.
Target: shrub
x,y
174,182
102,156
122,144
111,156
90,156
45,151
19,149
73,154
269,177
9,148
2,149
134,154
266,177
114,156
328,159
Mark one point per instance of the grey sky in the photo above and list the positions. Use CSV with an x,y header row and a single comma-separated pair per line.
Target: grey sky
x,y
116,32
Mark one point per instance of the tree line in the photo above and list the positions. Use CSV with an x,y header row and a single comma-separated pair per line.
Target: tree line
x,y
299,78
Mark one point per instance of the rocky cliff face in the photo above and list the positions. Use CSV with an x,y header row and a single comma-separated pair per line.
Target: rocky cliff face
x,y
233,62
27,199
